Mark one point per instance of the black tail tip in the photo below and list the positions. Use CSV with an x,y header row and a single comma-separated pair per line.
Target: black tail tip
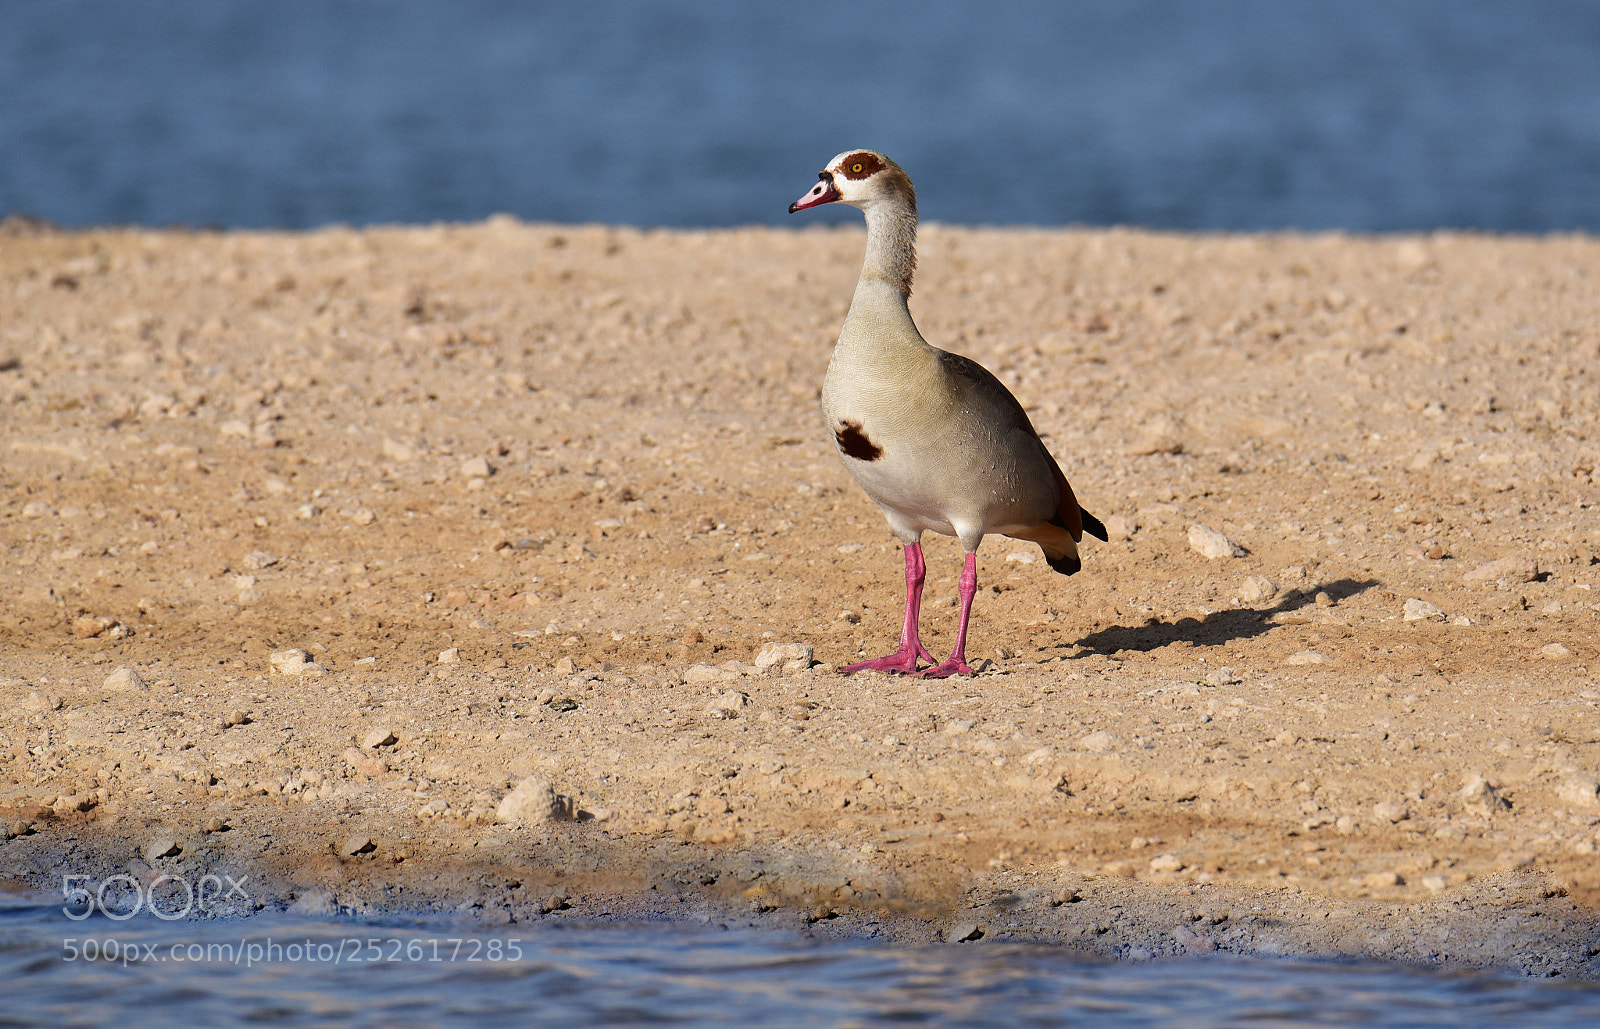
x,y
1070,565
1093,527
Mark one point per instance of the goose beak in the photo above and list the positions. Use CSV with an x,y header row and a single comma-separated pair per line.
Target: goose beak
x,y
822,193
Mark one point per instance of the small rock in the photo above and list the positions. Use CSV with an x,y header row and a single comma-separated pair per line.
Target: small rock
x,y
1223,676
792,657
37,509
42,702
1193,942
216,824
1211,544
382,736
356,845
259,559
1579,791
90,626
365,763
1519,568
125,680
1026,557
1434,883
1390,811
1308,657
164,846
235,717
962,932
848,617
1255,589
1120,527
696,675
1479,792
451,656
318,902
1098,741
566,666
728,705
1420,610
1167,863
1554,652
533,802
1379,880
295,662
475,468
395,450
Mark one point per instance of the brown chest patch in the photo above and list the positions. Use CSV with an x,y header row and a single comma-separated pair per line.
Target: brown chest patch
x,y
854,443
860,165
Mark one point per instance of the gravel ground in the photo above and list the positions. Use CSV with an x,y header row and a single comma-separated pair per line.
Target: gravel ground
x,y
312,546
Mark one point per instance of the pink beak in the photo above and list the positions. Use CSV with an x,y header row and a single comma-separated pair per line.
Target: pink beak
x,y
822,193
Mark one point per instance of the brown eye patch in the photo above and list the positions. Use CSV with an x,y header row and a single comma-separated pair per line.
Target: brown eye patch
x,y
861,165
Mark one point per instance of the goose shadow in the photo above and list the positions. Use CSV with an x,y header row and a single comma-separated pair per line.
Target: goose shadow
x,y
1215,628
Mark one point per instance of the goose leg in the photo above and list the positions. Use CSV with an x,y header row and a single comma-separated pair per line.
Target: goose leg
x,y
956,663
911,648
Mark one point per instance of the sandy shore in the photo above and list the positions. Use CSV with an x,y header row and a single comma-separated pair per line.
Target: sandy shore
x,y
532,499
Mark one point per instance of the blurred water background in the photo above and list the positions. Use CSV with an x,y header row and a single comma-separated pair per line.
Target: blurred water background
x,y
1176,114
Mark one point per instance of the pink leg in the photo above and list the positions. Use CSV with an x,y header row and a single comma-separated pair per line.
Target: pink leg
x,y
956,663
911,648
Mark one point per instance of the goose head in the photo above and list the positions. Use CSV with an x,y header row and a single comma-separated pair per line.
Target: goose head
x,y
859,178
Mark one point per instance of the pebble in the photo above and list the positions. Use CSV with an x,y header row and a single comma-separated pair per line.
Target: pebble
x,y
295,662
451,656
382,736
1026,557
356,845
1390,811
963,932
259,559
42,702
1308,657
1434,883
1098,741
235,717
395,450
696,675
1120,527
37,509
1224,676
793,657
1256,588
365,763
1168,863
1211,544
1479,792
728,705
1554,652
161,847
1511,569
1378,880
125,680
1579,791
1193,942
216,824
849,617
474,468
533,802
314,902
1419,610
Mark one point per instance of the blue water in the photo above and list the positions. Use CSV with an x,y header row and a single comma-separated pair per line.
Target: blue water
x,y
1249,114
276,971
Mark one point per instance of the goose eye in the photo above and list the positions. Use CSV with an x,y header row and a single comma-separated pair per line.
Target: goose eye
x,y
856,168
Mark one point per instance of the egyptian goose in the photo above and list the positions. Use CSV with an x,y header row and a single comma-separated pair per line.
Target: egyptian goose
x,y
935,440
